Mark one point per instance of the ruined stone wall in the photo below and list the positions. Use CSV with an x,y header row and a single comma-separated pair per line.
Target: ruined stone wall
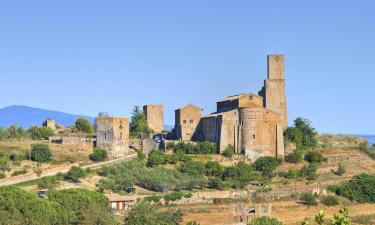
x,y
259,132
155,117
113,135
229,130
274,86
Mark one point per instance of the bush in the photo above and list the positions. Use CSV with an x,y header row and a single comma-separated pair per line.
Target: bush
x,y
241,175
75,173
302,133
2,175
229,151
214,168
4,162
217,183
82,124
193,168
266,165
265,220
204,147
360,188
19,172
310,172
309,199
48,182
294,157
99,154
330,201
141,156
156,158
314,157
40,153
340,169
40,133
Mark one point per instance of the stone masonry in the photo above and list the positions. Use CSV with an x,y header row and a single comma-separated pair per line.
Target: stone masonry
x,y
187,120
155,117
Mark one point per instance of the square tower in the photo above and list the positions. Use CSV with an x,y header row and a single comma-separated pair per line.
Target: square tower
x,y
112,134
274,88
155,117
187,121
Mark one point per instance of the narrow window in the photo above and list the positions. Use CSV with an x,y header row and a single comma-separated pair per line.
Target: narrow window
x,y
191,121
253,136
184,121
105,136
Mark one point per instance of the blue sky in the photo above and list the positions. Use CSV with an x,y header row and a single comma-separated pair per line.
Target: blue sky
x,y
90,56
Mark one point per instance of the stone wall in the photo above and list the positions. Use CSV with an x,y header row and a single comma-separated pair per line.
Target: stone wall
x,y
187,122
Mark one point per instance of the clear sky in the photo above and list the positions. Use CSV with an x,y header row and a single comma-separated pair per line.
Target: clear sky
x,y
90,56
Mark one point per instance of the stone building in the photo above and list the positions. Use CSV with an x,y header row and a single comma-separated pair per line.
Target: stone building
x,y
155,117
187,121
252,124
50,123
112,134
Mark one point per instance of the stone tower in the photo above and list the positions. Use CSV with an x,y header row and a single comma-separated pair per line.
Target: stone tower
x,y
112,134
155,117
274,88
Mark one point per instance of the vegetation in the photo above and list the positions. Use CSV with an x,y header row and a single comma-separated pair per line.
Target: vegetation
x,y
214,168
302,134
2,175
40,133
241,175
49,182
266,165
5,162
229,151
138,123
84,125
364,219
330,201
193,168
13,132
75,173
171,197
341,169
363,147
99,154
314,157
309,199
148,214
157,157
265,220
310,171
19,172
294,157
341,218
41,153
360,188
204,147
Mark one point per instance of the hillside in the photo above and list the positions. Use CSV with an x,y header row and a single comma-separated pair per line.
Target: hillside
x,y
25,116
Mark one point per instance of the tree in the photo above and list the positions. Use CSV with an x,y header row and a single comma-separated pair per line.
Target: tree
x,y
16,132
266,165
138,123
147,214
214,168
82,124
99,154
229,151
342,218
303,134
265,220
4,162
41,153
314,157
40,133
156,158
193,168
75,173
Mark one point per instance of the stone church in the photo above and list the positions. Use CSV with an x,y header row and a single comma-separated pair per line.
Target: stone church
x,y
252,123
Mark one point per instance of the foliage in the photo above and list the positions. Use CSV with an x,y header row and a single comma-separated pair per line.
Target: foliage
x,y
342,218
40,153
369,151
265,220
240,175
294,157
310,171
148,214
229,151
319,218
204,147
40,133
341,169
330,201
141,156
219,184
302,133
2,175
193,168
84,125
99,154
16,132
314,157
309,199
19,172
193,223
138,123
83,206
156,158
266,165
75,173
4,162
360,188
214,168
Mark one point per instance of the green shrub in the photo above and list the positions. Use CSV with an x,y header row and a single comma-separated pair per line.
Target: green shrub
x,y
229,151
82,124
314,157
4,162
204,147
360,188
193,168
141,155
340,169
214,168
75,173
310,171
2,175
48,182
266,165
309,199
294,157
330,201
156,158
40,153
302,133
99,154
217,183
40,133
265,220
19,172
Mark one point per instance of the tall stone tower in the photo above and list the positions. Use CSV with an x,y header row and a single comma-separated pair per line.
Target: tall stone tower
x,y
274,88
155,117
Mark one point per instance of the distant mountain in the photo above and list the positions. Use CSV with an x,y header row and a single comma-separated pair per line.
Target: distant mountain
x,y
26,117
